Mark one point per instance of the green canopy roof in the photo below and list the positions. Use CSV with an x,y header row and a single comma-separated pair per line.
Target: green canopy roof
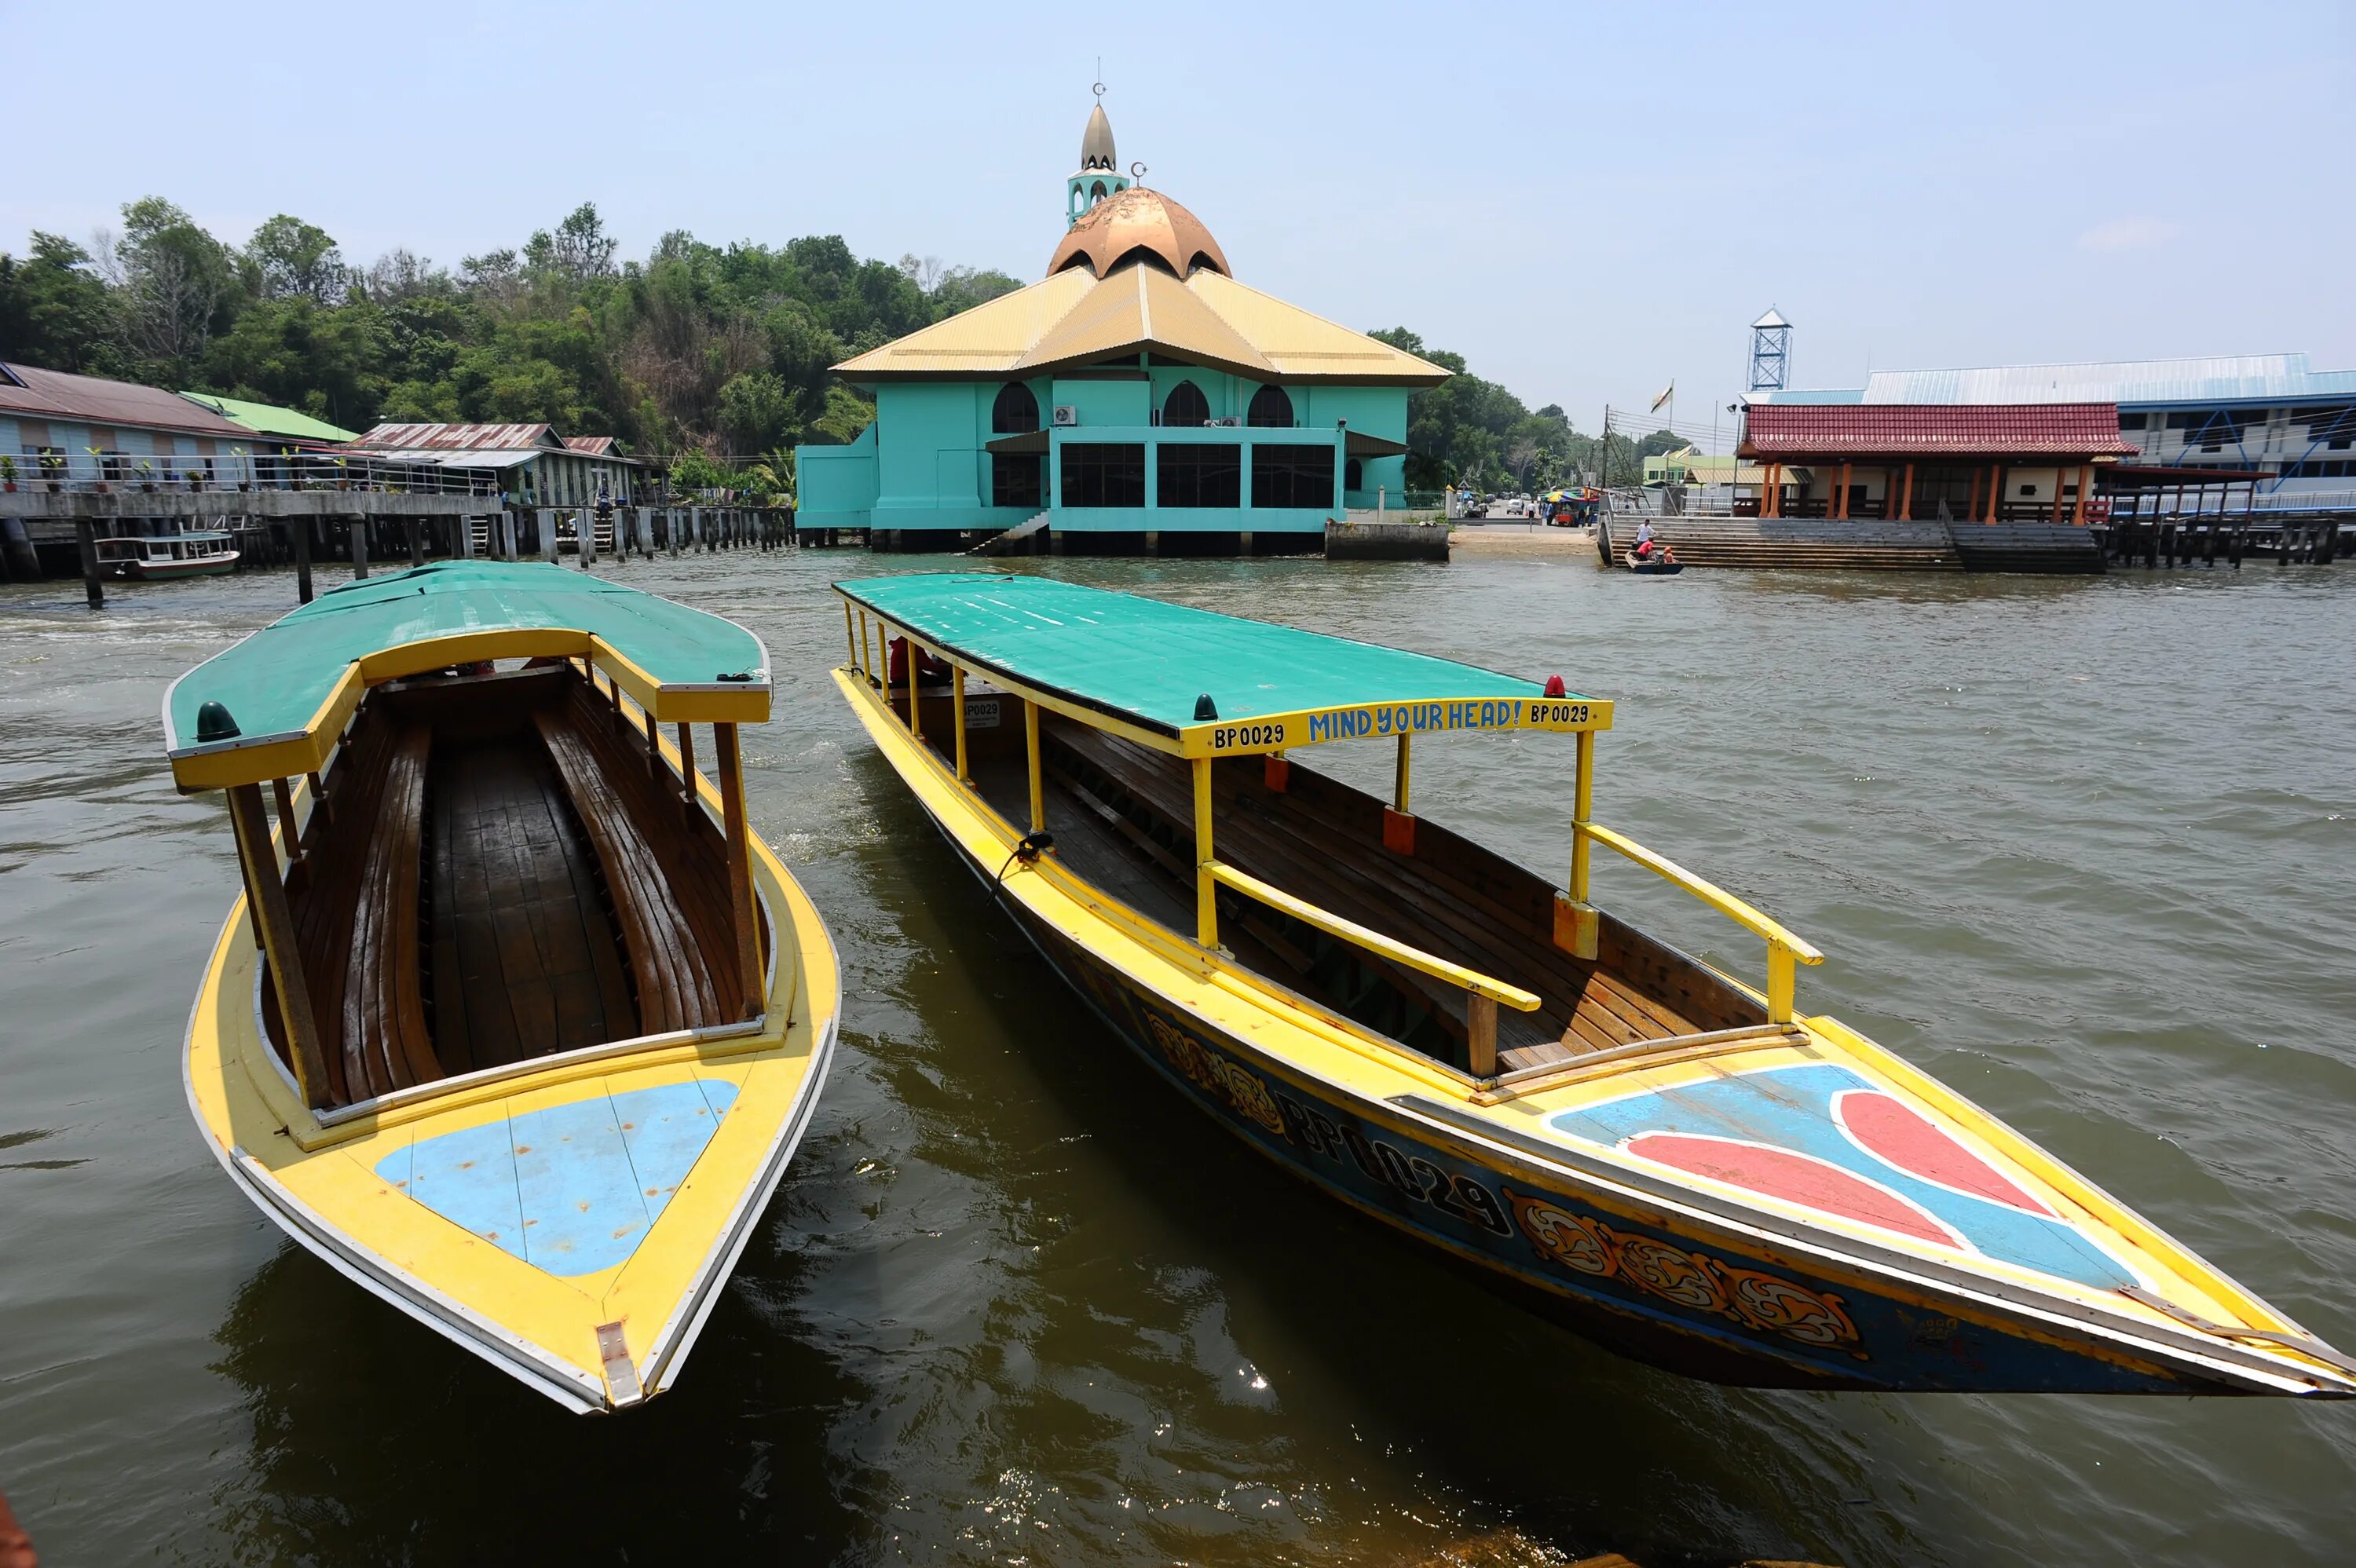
x,y
1147,665
268,418
290,687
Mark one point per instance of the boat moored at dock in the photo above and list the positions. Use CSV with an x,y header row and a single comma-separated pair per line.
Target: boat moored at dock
x,y
173,550
516,1023
1677,1163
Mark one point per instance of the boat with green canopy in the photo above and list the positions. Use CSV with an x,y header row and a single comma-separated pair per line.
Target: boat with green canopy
x,y
517,1022
1682,1164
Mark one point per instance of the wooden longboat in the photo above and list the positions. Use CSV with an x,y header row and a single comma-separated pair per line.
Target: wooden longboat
x,y
516,1023
1677,1164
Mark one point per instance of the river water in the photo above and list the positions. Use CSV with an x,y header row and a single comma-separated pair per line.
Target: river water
x,y
2084,849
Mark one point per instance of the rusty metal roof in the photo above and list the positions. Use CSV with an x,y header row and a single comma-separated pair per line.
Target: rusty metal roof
x,y
1796,432
594,445
461,437
53,394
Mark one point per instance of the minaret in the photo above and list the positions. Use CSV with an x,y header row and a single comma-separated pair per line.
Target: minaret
x,y
1099,175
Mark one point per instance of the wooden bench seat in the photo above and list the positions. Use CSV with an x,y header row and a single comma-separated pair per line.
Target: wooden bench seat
x,y
354,897
682,978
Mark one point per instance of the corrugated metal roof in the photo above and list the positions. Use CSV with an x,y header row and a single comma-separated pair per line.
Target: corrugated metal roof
x,y
53,394
1801,430
2228,378
458,437
473,457
268,418
1208,318
594,445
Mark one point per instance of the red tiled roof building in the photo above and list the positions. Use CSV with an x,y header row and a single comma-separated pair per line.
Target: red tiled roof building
x,y
1988,463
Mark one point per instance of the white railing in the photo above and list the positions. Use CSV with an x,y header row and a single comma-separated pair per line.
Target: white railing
x,y
85,472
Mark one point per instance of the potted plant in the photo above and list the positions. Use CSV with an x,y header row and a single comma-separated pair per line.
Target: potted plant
x,y
7,472
342,480
245,480
146,471
53,468
101,456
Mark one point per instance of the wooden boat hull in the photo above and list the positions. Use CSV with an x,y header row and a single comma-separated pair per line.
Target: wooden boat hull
x,y
1672,1274
647,1162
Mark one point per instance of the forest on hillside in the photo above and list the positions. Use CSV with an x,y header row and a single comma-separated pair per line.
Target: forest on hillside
x,y
714,357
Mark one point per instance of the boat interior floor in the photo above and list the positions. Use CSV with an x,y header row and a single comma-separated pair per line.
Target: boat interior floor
x,y
1122,817
498,874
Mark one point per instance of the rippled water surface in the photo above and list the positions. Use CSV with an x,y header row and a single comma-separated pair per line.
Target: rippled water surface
x,y
2086,850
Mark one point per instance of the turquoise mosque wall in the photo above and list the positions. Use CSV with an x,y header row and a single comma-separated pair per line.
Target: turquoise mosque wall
x,y
924,464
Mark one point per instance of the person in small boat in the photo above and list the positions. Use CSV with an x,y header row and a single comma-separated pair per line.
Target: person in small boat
x,y
1643,551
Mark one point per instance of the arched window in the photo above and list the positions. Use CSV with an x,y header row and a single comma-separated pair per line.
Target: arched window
x,y
1186,406
1270,410
1016,411
1096,193
1353,475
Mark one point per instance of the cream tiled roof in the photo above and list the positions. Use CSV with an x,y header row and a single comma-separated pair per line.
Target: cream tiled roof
x,y
1073,318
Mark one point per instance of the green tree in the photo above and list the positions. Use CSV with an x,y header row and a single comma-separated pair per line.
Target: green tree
x,y
288,256
757,411
55,310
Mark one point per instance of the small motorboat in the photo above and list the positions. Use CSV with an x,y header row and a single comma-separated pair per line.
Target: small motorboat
x,y
1683,1165
1662,562
517,1022
176,551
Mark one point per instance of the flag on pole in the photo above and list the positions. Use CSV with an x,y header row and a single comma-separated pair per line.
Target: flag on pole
x,y
1666,393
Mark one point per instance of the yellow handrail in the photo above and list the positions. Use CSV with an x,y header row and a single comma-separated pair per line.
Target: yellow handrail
x,y
1332,924
1783,945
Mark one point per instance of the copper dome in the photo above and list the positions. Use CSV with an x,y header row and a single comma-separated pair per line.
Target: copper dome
x,y
1134,222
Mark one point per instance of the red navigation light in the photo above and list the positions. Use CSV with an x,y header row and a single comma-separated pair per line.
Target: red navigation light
x,y
1555,686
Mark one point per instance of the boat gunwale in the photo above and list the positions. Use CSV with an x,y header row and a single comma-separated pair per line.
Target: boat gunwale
x,y
510,1352
1824,1031
1705,1209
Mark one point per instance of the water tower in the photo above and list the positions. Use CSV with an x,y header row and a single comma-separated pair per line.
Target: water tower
x,y
1771,352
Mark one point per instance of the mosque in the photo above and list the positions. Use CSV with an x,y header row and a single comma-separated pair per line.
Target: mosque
x,y
1136,400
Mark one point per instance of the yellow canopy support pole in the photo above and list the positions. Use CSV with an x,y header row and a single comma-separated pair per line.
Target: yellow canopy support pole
x,y
273,925
915,718
1487,986
1582,807
730,759
283,798
1206,882
956,700
1038,779
848,636
1399,789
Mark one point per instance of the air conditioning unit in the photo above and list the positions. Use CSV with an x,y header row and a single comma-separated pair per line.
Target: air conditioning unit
x,y
1066,414
1230,419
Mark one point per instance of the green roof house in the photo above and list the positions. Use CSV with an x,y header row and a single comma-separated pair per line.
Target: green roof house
x,y
272,423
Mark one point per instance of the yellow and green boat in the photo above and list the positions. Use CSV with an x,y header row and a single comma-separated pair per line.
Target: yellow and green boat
x,y
1680,1164
517,1022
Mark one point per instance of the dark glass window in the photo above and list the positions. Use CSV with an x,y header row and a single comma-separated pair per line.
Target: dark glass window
x,y
1016,481
2131,422
1015,412
1353,475
1270,410
1185,405
1188,474
1103,474
1292,476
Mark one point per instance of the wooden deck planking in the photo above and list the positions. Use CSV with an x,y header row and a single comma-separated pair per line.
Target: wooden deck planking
x,y
537,971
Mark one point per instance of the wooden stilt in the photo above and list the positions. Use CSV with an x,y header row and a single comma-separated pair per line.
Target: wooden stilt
x,y
86,541
730,759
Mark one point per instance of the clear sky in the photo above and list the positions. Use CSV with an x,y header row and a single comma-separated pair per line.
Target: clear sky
x,y
1586,201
